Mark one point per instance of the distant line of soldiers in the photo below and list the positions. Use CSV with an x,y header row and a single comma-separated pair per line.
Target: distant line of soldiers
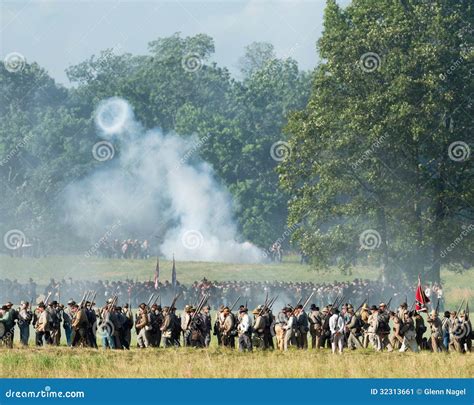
x,y
336,326
220,292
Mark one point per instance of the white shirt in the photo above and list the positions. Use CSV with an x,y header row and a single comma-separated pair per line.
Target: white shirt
x,y
336,323
244,323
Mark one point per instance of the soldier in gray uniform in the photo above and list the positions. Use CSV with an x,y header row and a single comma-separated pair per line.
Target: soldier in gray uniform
x,y
206,325
436,332
142,323
314,320
302,328
167,328
24,319
289,337
127,326
280,327
354,327
55,323
67,321
244,331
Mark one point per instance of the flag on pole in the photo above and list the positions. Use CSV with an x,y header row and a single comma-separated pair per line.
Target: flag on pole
x,y
173,274
157,272
420,297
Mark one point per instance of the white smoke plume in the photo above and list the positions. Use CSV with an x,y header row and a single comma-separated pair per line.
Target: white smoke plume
x,y
156,184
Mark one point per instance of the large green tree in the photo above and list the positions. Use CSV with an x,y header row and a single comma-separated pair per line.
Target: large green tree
x,y
372,174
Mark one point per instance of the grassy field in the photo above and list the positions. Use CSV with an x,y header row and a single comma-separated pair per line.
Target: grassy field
x,y
457,286
216,362
220,363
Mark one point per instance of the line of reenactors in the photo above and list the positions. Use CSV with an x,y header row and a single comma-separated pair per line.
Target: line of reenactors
x,y
337,326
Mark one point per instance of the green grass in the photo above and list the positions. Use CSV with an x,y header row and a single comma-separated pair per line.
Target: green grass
x,y
457,286
218,362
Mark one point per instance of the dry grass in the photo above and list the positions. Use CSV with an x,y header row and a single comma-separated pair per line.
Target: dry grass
x,y
218,363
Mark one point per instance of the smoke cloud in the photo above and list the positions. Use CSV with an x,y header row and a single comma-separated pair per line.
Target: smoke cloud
x,y
155,184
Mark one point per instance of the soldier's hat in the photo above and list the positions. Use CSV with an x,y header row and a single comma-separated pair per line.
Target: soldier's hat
x,y
40,305
382,304
109,300
446,314
186,308
206,307
9,304
23,302
365,306
54,303
325,310
158,307
243,309
349,306
404,305
71,302
433,313
313,307
226,309
256,311
299,306
118,309
4,308
462,313
126,305
373,308
221,308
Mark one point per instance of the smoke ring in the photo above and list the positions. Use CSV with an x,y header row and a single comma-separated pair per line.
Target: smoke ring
x,y
112,115
370,239
102,151
12,238
14,62
459,151
192,239
280,151
191,62
369,62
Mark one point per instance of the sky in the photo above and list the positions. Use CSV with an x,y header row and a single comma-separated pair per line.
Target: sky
x,y
60,33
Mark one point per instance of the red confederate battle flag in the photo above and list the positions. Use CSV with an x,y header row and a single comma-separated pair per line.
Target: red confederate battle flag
x,y
420,297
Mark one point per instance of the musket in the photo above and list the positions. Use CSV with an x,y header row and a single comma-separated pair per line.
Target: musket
x,y
198,309
437,306
173,303
49,295
460,306
307,301
93,298
156,299
294,309
270,305
235,303
334,303
149,299
339,302
360,306
388,303
82,300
